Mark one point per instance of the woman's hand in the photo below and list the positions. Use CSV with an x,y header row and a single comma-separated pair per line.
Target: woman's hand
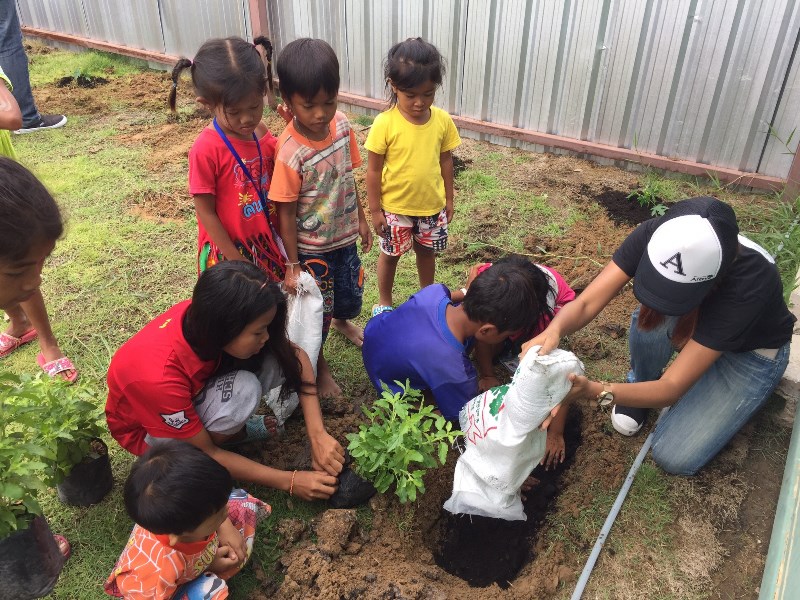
x,y
326,454
229,536
487,382
313,485
549,339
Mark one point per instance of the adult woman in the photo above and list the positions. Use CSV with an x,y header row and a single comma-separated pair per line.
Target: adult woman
x,y
708,293
198,372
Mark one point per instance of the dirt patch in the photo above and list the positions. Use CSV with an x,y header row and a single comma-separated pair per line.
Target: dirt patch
x,y
83,81
162,207
622,209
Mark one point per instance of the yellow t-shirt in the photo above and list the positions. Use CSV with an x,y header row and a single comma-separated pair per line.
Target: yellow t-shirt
x,y
6,149
411,181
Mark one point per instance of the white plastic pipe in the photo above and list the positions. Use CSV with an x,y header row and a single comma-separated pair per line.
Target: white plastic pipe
x,y
612,515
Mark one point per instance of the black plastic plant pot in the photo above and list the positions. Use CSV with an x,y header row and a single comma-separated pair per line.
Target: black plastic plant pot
x,y
30,562
90,480
353,490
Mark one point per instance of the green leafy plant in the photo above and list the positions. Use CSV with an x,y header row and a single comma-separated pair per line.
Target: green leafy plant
x,y
653,192
400,442
46,427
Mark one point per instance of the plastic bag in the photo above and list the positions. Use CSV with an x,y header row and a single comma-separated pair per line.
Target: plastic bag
x,y
502,436
304,328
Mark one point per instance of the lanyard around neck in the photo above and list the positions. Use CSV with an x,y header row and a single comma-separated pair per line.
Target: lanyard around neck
x,y
239,160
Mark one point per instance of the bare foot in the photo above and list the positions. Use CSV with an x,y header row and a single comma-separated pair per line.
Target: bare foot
x,y
271,423
350,330
326,384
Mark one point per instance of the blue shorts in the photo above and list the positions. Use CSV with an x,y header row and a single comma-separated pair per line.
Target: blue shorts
x,y
340,278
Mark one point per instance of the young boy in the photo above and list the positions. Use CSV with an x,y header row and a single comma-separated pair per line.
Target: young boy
x,y
314,191
427,339
192,532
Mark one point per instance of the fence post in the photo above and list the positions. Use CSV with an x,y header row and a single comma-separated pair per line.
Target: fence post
x,y
792,189
258,17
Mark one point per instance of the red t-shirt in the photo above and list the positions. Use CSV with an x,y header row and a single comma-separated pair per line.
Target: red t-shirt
x,y
214,170
152,380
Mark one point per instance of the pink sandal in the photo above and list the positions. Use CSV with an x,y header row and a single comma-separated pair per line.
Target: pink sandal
x,y
9,343
59,365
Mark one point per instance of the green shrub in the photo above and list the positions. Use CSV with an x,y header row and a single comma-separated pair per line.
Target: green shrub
x,y
400,442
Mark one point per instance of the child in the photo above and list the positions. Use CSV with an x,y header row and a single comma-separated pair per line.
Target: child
x,y
231,162
410,166
319,211
192,532
30,224
427,339
28,319
198,372
552,293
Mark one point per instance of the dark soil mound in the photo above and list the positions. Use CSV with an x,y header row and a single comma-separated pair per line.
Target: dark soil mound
x,y
482,550
621,209
84,81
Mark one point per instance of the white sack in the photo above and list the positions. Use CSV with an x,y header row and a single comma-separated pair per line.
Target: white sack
x,y
502,436
304,328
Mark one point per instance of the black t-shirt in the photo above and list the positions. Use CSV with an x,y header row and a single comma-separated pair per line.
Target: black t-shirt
x,y
744,311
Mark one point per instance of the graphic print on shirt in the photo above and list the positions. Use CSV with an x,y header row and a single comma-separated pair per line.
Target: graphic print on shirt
x,y
249,200
175,420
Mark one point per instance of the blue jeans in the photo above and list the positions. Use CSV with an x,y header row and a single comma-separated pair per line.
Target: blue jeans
x,y
699,425
14,62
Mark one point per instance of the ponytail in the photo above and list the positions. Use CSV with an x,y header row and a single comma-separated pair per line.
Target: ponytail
x,y
183,63
265,43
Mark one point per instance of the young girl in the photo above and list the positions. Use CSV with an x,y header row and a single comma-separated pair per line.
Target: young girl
x,y
231,162
30,224
198,372
28,319
410,166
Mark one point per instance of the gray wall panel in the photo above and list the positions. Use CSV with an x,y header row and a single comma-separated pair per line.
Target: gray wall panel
x,y
185,30
136,24
65,16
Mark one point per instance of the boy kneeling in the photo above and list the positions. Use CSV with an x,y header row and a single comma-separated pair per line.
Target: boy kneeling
x,y
192,532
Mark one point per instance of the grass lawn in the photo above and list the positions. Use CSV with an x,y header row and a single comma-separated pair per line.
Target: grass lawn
x,y
118,170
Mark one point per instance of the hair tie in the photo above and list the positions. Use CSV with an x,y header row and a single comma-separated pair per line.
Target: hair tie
x,y
175,85
263,285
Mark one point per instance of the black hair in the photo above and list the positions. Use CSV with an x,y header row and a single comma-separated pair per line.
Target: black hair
x,y
306,66
225,71
28,213
229,296
174,486
412,63
511,295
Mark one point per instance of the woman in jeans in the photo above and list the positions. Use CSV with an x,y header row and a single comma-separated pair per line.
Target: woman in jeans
x,y
708,294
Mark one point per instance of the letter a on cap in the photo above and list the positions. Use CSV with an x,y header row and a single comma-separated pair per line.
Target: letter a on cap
x,y
674,260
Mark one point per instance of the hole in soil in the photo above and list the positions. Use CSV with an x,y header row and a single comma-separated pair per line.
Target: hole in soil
x,y
621,209
483,551
460,165
84,81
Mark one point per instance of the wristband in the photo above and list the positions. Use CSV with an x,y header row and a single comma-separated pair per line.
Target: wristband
x,y
291,485
464,291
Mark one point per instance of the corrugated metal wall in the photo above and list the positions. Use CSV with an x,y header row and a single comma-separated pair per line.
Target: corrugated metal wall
x,y
701,80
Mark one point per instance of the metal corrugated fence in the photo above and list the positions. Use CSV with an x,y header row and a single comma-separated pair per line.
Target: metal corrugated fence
x,y
704,81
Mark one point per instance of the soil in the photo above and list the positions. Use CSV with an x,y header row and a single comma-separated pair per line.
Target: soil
x,y
398,554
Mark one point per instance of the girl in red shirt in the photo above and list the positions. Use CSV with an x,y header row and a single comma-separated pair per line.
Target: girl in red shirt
x,y
198,372
231,162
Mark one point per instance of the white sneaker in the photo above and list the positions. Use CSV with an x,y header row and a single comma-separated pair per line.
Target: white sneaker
x,y
628,420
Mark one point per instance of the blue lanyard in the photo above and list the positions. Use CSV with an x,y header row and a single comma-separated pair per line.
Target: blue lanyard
x,y
245,170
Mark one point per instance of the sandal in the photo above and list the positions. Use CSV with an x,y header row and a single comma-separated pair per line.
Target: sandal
x,y
255,431
9,343
63,545
59,365
380,308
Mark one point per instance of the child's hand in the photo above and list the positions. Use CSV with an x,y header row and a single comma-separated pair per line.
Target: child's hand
x,y
366,236
326,454
379,223
285,112
554,450
225,559
314,485
487,382
290,280
231,537
449,211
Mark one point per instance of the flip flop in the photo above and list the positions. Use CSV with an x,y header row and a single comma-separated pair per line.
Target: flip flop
x,y
63,545
9,343
255,431
59,365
